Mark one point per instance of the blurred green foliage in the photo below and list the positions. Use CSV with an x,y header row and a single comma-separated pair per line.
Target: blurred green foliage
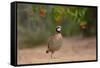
x,y
37,22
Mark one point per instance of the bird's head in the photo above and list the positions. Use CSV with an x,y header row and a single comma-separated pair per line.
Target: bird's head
x,y
58,29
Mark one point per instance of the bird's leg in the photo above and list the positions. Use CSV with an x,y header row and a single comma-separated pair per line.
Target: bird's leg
x,y
52,56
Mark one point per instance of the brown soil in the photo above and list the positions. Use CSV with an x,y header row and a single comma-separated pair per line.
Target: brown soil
x,y
73,49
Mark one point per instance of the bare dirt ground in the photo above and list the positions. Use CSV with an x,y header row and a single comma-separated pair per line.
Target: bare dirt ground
x,y
73,49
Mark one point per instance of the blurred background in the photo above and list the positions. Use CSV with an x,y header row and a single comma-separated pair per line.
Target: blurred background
x,y
35,23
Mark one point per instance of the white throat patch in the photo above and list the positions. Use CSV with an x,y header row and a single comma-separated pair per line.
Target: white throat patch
x,y
58,29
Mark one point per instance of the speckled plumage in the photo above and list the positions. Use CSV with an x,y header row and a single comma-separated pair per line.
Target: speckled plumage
x,y
54,43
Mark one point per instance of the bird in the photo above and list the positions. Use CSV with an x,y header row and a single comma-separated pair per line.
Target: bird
x,y
54,42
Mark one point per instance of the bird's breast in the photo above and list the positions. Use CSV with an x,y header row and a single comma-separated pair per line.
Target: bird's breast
x,y
58,36
55,42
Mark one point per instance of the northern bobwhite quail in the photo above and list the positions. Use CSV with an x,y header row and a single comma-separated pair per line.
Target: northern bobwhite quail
x,y
55,41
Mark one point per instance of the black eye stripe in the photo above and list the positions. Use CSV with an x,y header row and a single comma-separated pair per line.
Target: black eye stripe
x,y
58,27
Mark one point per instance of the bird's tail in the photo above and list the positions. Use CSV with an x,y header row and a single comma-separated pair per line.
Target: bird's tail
x,y
47,51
